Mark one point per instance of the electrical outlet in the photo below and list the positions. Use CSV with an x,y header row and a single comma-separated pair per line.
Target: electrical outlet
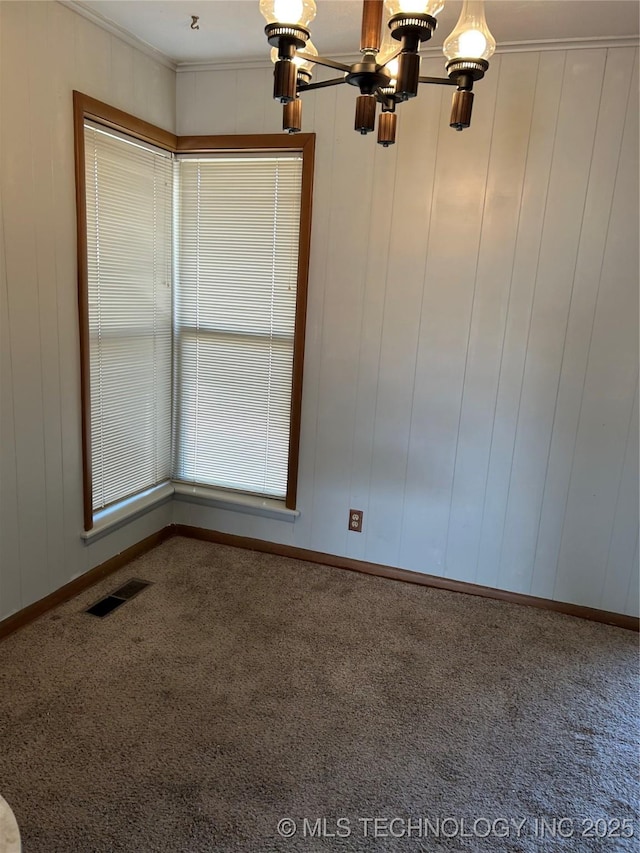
x,y
355,520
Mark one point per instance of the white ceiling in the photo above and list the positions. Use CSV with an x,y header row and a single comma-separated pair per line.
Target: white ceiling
x,y
233,29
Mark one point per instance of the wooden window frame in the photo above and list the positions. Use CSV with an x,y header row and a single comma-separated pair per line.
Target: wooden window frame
x,y
85,107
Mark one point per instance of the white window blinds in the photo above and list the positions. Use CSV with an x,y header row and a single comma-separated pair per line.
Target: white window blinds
x,y
237,232
129,239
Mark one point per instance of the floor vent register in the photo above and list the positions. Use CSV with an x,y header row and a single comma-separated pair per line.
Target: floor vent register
x,y
117,598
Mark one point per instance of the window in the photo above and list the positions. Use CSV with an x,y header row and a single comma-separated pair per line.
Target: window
x,y
128,210
193,261
235,296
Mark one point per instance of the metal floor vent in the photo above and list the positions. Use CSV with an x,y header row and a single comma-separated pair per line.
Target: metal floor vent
x,y
120,596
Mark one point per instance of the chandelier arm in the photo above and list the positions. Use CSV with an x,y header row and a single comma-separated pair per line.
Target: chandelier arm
x,y
387,59
387,101
438,81
335,81
321,60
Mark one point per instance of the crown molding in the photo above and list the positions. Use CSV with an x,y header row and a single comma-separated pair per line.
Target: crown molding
x,y
260,64
232,64
431,52
569,44
105,24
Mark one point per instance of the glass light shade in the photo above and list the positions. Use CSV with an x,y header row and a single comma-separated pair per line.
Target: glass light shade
x,y
300,63
414,7
388,46
292,12
471,38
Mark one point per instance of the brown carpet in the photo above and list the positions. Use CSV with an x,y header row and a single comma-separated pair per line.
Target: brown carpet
x,y
242,688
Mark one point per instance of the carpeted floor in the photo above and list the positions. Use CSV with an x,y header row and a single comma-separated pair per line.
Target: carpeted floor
x,y
241,689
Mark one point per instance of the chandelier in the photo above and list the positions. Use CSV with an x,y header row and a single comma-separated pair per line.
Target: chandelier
x,y
388,72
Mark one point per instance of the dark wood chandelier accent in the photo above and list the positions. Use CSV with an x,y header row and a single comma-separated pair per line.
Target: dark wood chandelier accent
x,y
388,72
371,25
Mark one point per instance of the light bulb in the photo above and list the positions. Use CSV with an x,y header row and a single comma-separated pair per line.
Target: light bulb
x,y
472,44
471,37
292,12
414,7
288,11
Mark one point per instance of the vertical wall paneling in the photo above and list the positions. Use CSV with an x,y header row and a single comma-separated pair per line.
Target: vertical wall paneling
x,y
531,218
452,252
93,58
323,190
609,393
586,282
471,365
251,103
373,299
151,83
122,73
411,223
455,281
46,51
186,103
61,28
633,594
352,178
217,102
119,540
503,199
10,596
23,307
198,515
570,166
624,538
40,101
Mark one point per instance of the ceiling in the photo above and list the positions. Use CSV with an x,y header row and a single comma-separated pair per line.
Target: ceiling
x,y
233,29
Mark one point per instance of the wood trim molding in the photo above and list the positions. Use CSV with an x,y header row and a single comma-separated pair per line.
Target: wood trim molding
x,y
125,122
77,585
83,306
305,143
620,620
244,142
304,250
85,107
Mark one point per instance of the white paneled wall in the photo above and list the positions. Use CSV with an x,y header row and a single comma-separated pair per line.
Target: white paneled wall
x,y
472,339
471,376
46,51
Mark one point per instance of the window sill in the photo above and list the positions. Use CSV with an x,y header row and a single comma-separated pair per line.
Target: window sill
x,y
235,501
110,519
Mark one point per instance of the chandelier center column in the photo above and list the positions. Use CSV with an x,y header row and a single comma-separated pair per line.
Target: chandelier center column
x,y
371,26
